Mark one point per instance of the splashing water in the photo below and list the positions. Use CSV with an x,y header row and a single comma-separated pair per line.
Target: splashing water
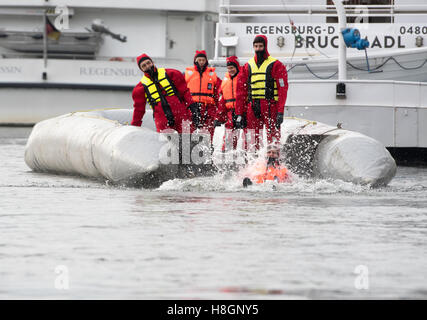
x,y
232,182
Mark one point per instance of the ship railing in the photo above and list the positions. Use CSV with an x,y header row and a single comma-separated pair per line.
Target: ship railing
x,y
79,56
229,11
239,14
385,93
37,55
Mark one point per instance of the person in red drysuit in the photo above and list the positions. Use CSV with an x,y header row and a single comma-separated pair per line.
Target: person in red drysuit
x,y
227,103
204,86
262,87
167,93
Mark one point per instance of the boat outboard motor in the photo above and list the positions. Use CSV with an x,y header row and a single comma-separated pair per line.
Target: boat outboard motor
x,y
99,26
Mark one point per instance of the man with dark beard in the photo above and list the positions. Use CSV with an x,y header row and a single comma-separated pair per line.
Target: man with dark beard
x,y
167,93
262,87
204,86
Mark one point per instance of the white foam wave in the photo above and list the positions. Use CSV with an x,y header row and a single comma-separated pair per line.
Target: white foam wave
x,y
233,183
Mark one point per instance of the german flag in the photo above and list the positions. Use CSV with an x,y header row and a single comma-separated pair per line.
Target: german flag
x,y
52,32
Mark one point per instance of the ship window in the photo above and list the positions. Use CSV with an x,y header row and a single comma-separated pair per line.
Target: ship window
x,y
372,18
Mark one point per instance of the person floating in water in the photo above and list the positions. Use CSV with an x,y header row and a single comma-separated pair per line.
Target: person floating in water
x,y
268,169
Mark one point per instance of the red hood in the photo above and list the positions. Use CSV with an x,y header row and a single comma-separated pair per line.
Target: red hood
x,y
266,55
235,61
201,53
141,58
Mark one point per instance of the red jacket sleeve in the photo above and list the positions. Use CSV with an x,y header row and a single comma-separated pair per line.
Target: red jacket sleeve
x,y
179,81
217,90
221,112
242,90
139,102
281,75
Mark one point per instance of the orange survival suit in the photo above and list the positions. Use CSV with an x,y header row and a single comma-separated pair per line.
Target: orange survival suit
x,y
204,86
226,107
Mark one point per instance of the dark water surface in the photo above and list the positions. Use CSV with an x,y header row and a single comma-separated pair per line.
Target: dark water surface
x,y
207,238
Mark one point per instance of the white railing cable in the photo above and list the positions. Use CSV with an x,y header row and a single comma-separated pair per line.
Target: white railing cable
x,y
241,11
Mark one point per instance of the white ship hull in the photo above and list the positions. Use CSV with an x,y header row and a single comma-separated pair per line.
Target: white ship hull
x,y
71,85
401,65
26,106
392,112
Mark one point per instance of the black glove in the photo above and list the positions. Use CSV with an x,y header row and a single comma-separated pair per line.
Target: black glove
x,y
279,119
241,122
217,123
195,111
247,182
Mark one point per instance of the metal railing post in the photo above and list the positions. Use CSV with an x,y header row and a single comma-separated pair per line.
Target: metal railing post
x,y
342,58
45,39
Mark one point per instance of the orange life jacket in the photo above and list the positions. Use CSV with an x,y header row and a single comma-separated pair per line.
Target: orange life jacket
x,y
228,88
262,173
202,89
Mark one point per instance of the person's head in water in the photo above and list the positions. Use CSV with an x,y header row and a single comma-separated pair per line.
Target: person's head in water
x,y
273,155
146,64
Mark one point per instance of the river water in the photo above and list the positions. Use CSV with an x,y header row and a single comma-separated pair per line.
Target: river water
x,y
67,237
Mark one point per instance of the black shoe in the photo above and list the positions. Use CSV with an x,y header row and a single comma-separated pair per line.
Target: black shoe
x,y
247,182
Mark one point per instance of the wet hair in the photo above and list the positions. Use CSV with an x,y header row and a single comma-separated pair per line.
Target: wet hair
x,y
259,40
231,63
